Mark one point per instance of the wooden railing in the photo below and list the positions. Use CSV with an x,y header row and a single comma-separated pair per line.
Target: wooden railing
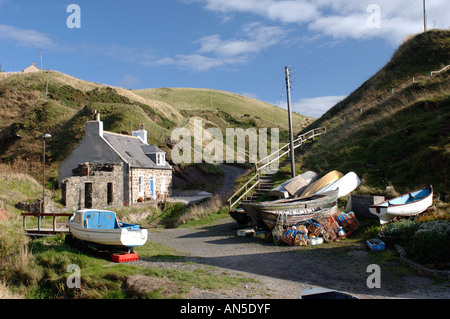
x,y
44,231
266,161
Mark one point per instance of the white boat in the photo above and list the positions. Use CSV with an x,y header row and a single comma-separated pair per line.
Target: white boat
x,y
346,184
409,204
294,186
101,227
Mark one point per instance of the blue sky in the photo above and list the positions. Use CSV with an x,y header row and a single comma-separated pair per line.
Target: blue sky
x,y
241,46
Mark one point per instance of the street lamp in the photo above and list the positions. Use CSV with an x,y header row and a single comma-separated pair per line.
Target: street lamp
x,y
43,171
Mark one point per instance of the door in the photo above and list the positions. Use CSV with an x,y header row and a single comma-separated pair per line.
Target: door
x,y
88,195
152,186
109,193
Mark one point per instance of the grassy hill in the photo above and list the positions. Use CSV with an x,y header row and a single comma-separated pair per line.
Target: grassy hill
x,y
27,114
393,130
225,107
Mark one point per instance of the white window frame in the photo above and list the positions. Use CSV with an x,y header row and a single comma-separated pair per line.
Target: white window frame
x,y
141,186
163,184
160,159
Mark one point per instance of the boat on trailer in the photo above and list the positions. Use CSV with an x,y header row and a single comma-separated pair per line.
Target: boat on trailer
x,y
409,204
102,227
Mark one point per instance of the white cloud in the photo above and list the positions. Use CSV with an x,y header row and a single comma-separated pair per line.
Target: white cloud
x,y
25,37
345,18
315,106
256,38
216,52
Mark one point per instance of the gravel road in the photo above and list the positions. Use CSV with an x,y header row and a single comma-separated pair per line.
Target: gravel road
x,y
283,272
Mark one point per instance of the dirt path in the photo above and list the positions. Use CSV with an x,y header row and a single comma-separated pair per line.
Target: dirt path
x,y
284,271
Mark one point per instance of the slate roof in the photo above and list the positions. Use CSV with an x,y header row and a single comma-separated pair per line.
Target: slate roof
x,y
131,149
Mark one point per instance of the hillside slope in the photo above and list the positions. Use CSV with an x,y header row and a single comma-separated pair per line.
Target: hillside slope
x,y
397,136
27,114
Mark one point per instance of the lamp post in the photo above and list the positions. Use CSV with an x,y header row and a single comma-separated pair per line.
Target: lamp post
x,y
43,171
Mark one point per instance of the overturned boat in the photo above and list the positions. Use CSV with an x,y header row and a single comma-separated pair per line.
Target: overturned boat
x,y
294,186
290,206
409,204
321,183
346,184
101,227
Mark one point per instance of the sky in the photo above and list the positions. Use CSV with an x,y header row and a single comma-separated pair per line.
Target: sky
x,y
241,46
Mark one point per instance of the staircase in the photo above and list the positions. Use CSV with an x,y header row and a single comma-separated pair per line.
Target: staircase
x,y
264,186
262,181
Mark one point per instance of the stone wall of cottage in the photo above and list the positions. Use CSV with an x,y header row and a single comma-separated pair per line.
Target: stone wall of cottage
x,y
73,188
148,174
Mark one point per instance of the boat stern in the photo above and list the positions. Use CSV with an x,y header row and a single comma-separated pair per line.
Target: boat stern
x,y
133,237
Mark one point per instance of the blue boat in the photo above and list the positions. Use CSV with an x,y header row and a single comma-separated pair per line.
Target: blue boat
x,y
102,227
409,204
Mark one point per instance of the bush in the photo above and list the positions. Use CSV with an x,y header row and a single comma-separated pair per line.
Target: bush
x,y
429,247
398,232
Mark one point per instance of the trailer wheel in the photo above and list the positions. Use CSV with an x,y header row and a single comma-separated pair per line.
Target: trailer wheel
x,y
68,240
82,246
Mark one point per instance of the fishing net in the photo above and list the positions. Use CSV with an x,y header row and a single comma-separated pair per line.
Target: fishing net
x,y
279,229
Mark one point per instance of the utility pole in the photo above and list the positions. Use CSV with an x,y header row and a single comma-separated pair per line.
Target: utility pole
x,y
291,133
48,78
43,171
424,17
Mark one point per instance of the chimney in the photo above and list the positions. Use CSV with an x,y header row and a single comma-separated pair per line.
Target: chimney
x,y
141,133
95,127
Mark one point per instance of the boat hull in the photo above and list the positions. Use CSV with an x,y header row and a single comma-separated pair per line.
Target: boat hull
x,y
291,218
294,186
409,204
300,205
346,184
102,227
321,183
111,237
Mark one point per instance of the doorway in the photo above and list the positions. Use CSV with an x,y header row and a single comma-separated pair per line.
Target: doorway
x,y
88,195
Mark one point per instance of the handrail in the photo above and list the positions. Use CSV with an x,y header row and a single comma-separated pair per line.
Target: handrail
x,y
300,138
245,193
441,70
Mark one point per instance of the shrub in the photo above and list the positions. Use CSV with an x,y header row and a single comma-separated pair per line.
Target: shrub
x,y
429,247
398,232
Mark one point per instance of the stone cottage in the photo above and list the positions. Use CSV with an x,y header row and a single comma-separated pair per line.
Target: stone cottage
x,y
110,169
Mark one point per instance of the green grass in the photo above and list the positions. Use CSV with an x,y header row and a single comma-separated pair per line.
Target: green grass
x,y
199,100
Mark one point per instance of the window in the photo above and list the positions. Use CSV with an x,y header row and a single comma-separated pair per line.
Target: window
x,y
160,159
77,218
141,185
163,184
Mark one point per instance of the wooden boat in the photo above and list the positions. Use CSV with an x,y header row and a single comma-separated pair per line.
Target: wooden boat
x,y
409,204
321,183
102,227
294,217
294,186
302,205
346,184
